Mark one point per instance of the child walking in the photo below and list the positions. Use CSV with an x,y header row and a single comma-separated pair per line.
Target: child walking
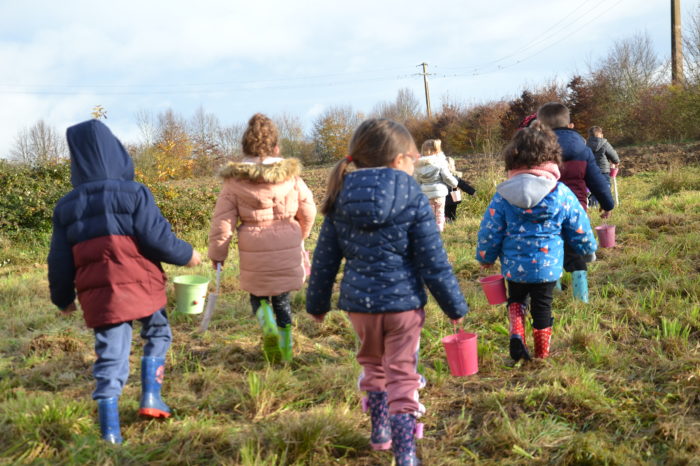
x,y
454,198
435,179
109,239
526,225
605,156
378,220
265,200
581,174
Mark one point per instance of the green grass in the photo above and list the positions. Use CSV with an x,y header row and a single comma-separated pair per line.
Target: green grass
x,y
622,385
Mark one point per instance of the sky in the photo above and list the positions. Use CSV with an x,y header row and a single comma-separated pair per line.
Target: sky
x,y
299,57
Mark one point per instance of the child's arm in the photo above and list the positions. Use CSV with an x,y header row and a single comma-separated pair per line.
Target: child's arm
x,y
611,153
576,227
152,233
223,223
466,187
448,178
430,259
491,232
61,268
306,214
326,262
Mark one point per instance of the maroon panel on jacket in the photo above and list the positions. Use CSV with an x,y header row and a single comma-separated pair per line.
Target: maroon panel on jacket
x,y
115,283
573,175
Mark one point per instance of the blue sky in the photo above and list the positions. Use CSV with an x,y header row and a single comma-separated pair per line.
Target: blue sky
x,y
235,58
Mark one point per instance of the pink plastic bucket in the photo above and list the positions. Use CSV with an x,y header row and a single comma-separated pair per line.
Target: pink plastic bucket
x,y
613,172
494,288
461,352
606,235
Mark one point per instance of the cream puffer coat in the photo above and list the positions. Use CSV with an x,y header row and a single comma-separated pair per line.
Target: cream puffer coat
x,y
433,176
276,211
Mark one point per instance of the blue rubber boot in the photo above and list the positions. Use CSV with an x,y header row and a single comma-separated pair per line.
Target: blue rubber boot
x,y
152,373
580,282
403,439
377,405
108,413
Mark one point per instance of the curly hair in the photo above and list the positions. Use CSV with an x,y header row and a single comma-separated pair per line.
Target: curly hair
x,y
260,137
531,147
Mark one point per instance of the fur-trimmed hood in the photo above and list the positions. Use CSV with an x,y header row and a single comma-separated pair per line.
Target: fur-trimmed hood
x,y
262,173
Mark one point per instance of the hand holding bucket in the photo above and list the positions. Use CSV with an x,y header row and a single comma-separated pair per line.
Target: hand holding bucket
x,y
606,235
494,287
462,354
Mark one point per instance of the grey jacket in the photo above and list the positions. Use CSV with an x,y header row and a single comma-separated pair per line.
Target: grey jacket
x,y
603,152
433,175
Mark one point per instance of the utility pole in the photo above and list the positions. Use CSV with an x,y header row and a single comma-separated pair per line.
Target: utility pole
x,y
676,43
427,90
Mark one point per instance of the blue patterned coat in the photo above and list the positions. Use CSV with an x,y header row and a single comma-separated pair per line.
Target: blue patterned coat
x,y
526,225
383,226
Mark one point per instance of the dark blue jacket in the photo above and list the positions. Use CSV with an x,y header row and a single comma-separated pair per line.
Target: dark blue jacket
x,y
109,236
383,226
580,170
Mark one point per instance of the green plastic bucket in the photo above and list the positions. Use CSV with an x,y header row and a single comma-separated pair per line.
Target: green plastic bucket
x,y
190,293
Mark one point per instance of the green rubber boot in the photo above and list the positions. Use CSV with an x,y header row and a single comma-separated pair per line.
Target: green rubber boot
x,y
285,342
266,319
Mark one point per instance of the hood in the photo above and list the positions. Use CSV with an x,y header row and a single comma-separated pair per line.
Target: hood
x,y
596,143
525,191
258,173
428,167
95,154
372,197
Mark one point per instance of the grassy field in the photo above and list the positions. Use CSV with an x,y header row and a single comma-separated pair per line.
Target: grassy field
x,y
622,385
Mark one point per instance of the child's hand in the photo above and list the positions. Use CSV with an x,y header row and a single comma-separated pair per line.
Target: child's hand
x,y
604,213
318,318
69,309
457,321
215,263
486,266
195,260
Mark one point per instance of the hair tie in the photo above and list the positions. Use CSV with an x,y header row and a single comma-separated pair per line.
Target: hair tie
x,y
348,158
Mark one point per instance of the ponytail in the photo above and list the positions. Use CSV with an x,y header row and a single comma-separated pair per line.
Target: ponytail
x,y
335,184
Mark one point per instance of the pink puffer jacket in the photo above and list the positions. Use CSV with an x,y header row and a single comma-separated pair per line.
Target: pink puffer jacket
x,y
276,211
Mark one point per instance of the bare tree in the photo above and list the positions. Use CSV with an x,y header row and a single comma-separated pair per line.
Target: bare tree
x,y
691,45
229,140
291,134
147,126
404,108
38,145
630,67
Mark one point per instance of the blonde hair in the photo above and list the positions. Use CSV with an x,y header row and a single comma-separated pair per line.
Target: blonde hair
x,y
260,137
554,114
431,147
375,143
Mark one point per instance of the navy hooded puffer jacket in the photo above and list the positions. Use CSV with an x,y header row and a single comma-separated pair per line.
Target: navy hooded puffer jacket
x,y
383,226
109,236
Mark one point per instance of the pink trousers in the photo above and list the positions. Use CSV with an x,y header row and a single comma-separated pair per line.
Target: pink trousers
x,y
389,356
438,205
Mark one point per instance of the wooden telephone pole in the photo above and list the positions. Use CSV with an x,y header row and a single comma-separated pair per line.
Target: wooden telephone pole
x,y
427,90
676,43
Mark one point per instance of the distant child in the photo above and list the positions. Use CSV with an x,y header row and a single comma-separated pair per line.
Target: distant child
x,y
454,197
108,241
526,225
378,220
435,179
266,202
580,173
605,156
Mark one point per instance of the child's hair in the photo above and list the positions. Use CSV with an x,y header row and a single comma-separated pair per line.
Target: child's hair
x,y
554,115
375,143
431,147
531,147
593,130
260,137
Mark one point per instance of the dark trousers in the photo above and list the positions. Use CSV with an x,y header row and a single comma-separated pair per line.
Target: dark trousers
x,y
592,201
540,295
450,209
572,260
281,305
113,345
